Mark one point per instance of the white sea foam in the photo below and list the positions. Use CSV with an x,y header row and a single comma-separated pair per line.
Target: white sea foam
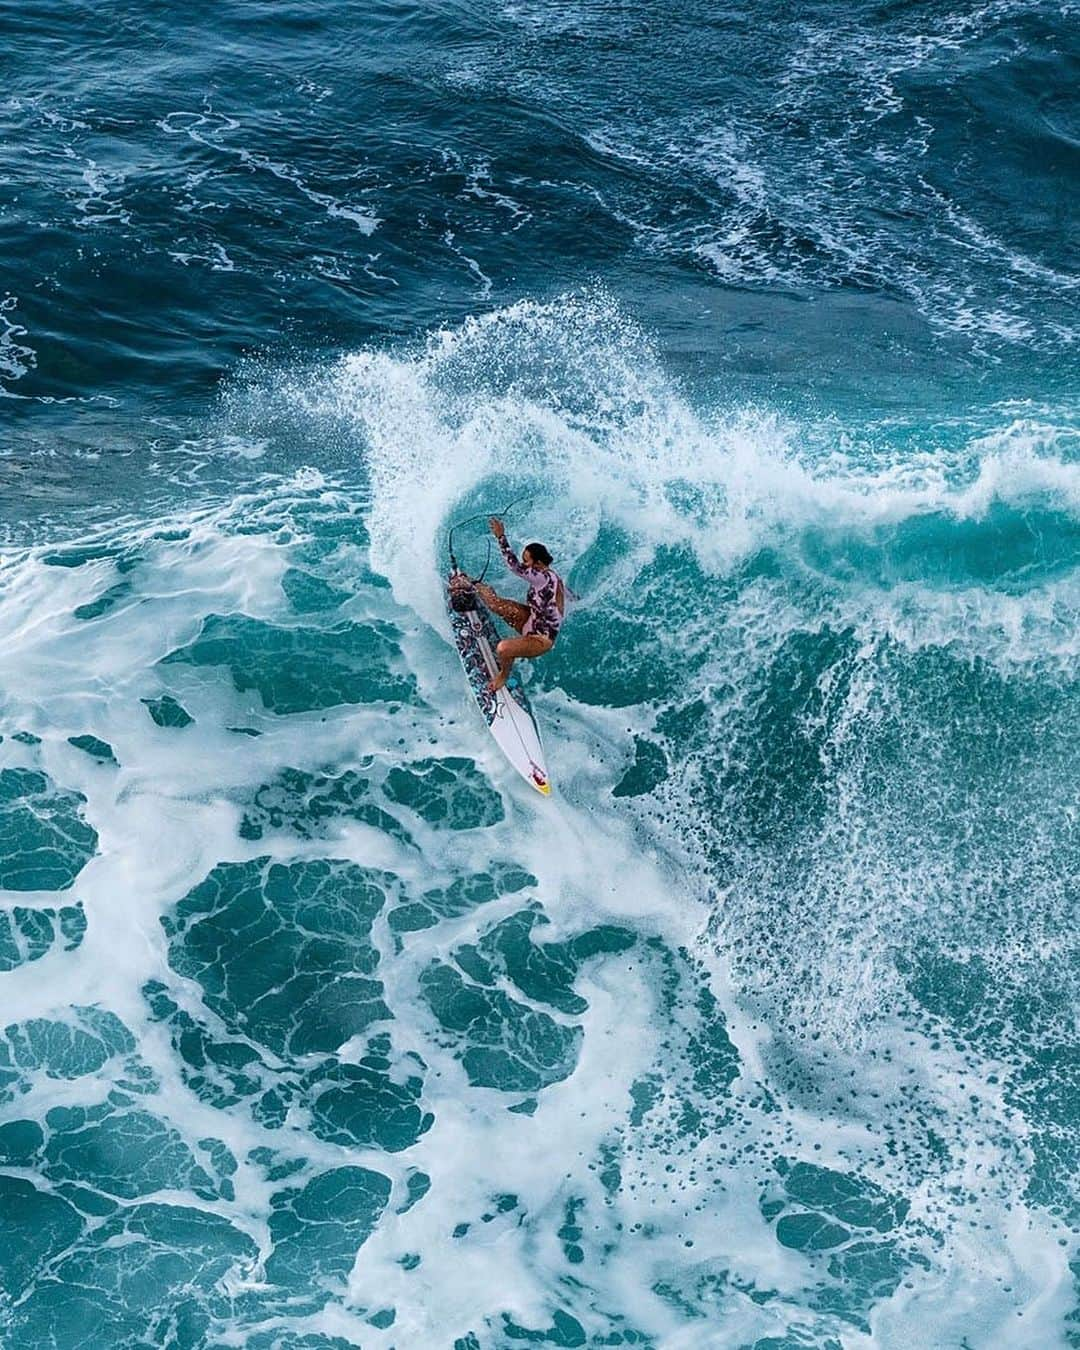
x,y
16,356
165,820
213,130
833,181
462,410
485,412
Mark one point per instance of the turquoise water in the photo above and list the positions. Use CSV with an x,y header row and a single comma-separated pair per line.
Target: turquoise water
x,y
317,1031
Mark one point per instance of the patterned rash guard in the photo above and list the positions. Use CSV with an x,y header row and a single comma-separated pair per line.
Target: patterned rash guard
x,y
545,617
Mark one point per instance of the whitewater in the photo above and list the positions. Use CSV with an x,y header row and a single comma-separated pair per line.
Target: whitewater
x,y
708,1050
319,1030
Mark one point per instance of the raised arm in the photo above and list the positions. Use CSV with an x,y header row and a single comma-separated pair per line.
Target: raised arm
x,y
509,556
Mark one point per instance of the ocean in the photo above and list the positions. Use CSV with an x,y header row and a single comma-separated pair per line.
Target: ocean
x,y
319,1029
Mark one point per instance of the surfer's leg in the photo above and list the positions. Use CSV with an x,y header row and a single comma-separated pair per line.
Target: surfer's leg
x,y
510,611
509,649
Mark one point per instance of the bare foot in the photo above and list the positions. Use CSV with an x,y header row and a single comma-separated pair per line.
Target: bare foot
x,y
497,683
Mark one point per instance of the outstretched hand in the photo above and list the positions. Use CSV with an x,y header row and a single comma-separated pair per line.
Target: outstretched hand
x,y
496,526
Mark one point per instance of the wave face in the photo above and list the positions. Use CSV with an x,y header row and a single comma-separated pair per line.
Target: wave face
x,y
761,1032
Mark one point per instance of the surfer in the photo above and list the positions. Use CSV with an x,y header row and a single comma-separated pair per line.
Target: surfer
x,y
540,619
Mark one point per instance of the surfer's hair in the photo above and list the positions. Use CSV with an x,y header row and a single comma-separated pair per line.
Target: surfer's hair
x,y
539,554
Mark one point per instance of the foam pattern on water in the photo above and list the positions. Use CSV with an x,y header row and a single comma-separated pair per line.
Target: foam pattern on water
x,y
45,839
27,934
757,1034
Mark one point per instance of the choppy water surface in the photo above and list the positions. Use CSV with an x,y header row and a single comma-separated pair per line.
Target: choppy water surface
x,y
762,1032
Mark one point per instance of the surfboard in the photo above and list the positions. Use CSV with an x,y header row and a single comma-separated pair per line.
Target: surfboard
x,y
507,712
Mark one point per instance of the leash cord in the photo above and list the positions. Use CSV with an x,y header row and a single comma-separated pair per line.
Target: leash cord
x,y
480,515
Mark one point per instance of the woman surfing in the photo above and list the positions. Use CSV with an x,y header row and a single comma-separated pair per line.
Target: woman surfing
x,y
539,620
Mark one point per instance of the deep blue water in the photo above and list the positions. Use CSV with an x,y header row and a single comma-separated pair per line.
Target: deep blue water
x,y
761,1033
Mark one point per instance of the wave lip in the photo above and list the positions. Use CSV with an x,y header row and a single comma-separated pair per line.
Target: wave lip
x,y
568,404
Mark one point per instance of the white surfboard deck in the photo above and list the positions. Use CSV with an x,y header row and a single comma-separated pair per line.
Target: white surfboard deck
x,y
507,712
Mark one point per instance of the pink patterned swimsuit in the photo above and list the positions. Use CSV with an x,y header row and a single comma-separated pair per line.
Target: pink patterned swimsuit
x,y
545,617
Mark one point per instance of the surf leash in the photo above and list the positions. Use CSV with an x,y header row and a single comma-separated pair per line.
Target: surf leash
x,y
469,520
